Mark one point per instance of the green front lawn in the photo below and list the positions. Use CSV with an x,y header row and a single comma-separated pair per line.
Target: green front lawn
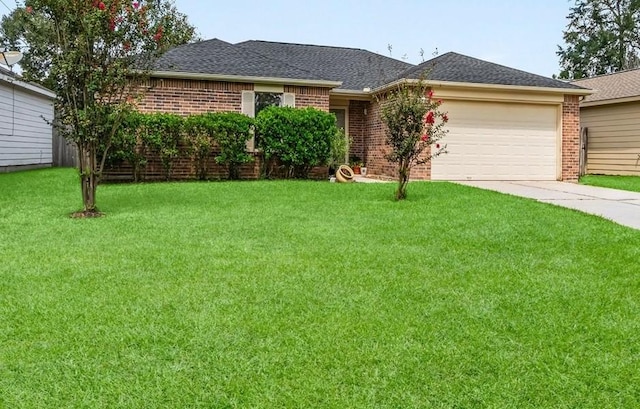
x,y
311,295
631,183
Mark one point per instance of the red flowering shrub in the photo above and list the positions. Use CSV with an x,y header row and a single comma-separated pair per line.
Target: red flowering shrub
x,y
114,45
414,123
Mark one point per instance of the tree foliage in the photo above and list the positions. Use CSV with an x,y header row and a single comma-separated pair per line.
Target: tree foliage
x,y
602,36
414,128
93,54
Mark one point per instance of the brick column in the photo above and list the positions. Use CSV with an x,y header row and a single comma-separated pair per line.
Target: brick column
x,y
571,138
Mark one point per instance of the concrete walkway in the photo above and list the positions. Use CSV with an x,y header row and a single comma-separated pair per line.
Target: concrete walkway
x,y
364,179
617,205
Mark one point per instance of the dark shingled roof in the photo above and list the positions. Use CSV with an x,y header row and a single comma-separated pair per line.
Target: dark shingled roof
x,y
455,67
222,58
356,68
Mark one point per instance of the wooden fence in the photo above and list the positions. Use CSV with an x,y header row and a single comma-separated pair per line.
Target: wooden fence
x,y
65,154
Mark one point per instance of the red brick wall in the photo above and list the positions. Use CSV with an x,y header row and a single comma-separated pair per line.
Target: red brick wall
x,y
183,168
571,138
185,97
357,128
376,148
310,96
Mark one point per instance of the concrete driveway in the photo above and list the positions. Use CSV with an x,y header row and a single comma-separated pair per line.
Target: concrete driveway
x,y
617,205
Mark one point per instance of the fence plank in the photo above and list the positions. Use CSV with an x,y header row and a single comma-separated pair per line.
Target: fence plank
x,y
65,154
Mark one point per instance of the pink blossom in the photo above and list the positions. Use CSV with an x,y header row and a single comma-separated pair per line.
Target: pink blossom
x,y
429,119
136,5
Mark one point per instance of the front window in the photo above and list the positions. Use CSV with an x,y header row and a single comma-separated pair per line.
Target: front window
x,y
267,99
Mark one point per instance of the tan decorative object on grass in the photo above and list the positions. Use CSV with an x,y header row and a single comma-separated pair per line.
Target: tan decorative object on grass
x,y
345,174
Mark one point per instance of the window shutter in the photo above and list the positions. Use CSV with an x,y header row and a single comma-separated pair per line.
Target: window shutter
x,y
249,109
289,100
249,103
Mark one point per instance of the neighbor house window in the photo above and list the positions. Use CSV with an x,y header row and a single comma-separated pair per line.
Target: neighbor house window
x,y
267,99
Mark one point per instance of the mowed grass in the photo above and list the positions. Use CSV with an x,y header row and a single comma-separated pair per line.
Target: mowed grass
x,y
631,183
311,295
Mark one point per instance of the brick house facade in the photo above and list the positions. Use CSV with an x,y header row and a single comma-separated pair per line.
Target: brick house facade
x,y
375,147
188,80
187,97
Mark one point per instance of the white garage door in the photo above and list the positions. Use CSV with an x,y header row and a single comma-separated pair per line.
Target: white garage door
x,y
495,141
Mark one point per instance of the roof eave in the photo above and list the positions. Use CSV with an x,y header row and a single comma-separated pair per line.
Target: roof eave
x,y
566,91
352,93
245,79
28,86
611,101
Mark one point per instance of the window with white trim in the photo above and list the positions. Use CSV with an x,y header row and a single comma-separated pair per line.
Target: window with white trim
x,y
267,99
264,96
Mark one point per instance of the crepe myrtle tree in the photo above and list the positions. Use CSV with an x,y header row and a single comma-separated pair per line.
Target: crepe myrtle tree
x,y
95,54
415,127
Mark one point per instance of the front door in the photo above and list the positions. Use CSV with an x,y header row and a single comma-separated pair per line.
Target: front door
x,y
341,121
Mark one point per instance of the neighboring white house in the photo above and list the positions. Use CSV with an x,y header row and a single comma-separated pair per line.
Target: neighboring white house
x,y
26,138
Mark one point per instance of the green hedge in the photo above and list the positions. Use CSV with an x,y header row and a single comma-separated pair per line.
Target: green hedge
x,y
297,139
294,139
230,131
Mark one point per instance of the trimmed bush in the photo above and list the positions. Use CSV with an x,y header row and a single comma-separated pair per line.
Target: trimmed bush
x,y
339,148
128,145
199,136
231,132
163,133
298,139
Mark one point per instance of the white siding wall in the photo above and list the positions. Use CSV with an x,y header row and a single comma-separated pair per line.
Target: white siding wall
x,y
25,137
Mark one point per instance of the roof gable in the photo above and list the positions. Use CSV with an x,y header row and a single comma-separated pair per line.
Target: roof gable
x,y
454,67
623,84
356,68
219,57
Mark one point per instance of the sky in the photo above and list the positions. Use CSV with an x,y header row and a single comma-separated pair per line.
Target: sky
x,y
522,34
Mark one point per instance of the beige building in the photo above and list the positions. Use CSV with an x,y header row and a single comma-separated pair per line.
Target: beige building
x,y
610,120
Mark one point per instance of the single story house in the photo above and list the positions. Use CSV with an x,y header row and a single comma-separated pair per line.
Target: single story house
x,y
505,124
610,119
26,139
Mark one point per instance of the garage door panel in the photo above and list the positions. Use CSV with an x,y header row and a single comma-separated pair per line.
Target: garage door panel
x,y
492,141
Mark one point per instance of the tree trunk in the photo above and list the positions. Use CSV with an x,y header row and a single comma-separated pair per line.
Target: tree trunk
x,y
234,171
88,178
403,180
